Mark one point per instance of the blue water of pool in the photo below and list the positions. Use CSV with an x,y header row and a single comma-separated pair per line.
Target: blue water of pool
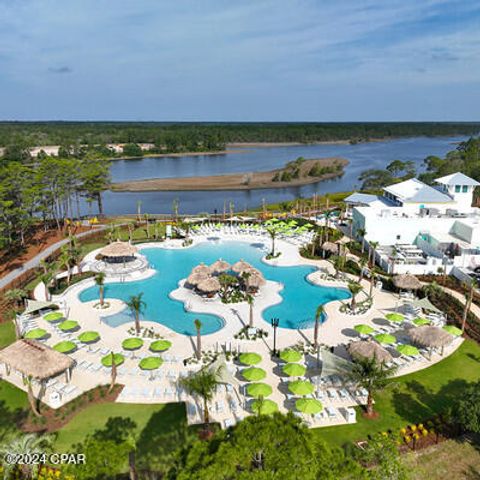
x,y
300,297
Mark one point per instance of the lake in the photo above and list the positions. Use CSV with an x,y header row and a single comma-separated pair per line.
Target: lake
x,y
361,156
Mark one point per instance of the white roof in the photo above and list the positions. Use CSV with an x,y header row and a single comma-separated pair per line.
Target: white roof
x,y
413,190
457,179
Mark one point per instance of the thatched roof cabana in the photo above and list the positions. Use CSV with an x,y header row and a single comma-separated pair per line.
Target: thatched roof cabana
x,y
430,336
241,266
202,269
118,249
209,285
195,278
34,359
255,281
407,282
369,349
220,266
330,247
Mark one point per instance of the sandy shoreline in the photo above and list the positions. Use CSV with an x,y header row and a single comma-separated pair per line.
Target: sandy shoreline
x,y
234,181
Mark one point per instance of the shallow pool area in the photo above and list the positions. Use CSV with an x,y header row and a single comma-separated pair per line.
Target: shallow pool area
x,y
300,298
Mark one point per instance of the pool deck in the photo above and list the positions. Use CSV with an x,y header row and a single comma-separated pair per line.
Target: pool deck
x,y
337,330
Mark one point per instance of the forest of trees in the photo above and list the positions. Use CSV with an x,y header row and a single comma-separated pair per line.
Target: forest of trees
x,y
211,136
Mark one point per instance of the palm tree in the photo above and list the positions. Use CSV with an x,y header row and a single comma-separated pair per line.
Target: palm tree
x,y
431,290
16,296
202,384
46,278
337,263
113,373
361,232
393,257
24,445
373,277
100,282
362,262
65,261
372,375
355,288
136,306
28,381
373,247
250,299
318,315
76,253
198,326
468,303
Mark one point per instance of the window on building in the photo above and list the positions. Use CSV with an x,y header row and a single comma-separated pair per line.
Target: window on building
x,y
465,188
398,237
457,188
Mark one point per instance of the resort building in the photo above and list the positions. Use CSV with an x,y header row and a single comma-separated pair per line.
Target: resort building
x,y
422,228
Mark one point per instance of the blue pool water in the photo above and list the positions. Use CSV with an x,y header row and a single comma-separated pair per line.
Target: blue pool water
x,y
297,310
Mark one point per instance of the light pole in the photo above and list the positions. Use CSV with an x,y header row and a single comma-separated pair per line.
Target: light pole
x,y
274,322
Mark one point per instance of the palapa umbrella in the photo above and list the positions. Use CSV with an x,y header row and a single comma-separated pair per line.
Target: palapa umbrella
x,y
408,350
195,278
385,338
53,317
309,405
264,407
294,370
220,266
133,343
241,266
301,387
150,363
407,282
118,249
89,337
452,330
330,247
65,347
209,285
395,317
68,325
254,374
364,329
290,355
420,321
430,336
36,334
255,281
250,358
118,359
160,345
369,349
259,390
203,269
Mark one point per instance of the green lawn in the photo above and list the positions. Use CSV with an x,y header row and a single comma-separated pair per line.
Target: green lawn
x,y
7,334
414,398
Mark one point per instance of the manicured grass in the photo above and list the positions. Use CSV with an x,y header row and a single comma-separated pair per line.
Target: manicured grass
x,y
413,398
7,334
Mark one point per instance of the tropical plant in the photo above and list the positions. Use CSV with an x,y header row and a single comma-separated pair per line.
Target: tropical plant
x,y
355,288
113,373
361,232
136,306
318,315
100,282
198,326
432,290
250,300
46,279
338,264
470,289
371,254
373,278
466,409
362,262
65,261
16,296
28,381
372,375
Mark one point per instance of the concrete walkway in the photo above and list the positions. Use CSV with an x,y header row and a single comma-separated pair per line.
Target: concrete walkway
x,y
35,261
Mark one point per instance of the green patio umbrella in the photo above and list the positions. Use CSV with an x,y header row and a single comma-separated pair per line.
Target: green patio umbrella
x,y
150,363
118,358
253,374
65,347
53,317
385,338
420,321
395,317
259,390
301,387
68,325
452,330
290,355
294,370
133,343
36,334
408,350
89,337
309,405
250,358
364,329
264,407
160,345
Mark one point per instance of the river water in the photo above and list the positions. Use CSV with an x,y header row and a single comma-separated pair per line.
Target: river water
x,y
361,156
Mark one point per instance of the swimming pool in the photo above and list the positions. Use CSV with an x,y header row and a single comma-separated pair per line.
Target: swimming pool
x,y
297,310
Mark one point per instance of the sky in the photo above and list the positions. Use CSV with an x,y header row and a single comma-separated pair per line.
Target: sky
x,y
240,60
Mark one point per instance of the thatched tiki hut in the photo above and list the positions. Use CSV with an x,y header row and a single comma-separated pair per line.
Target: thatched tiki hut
x,y
210,286
241,266
35,361
195,278
202,269
330,247
369,349
253,280
406,282
220,266
430,337
118,252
